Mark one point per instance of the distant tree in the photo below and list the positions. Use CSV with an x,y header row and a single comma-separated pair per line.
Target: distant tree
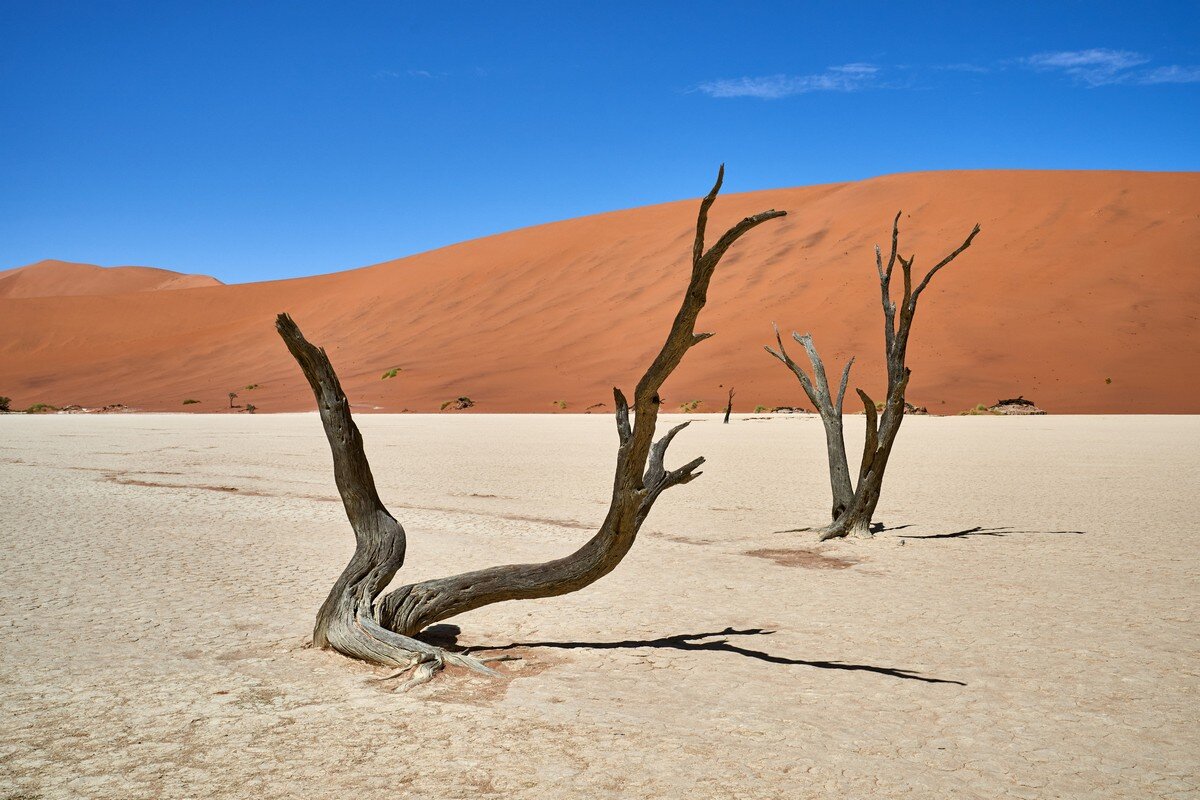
x,y
354,620
232,397
729,406
854,506
4,401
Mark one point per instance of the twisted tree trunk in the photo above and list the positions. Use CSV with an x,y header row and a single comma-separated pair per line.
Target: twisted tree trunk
x,y
854,506
353,622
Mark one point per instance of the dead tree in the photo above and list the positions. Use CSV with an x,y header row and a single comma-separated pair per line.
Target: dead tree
x,y
729,405
354,620
854,505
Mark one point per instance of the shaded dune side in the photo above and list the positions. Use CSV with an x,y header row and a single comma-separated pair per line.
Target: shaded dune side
x,y
1077,277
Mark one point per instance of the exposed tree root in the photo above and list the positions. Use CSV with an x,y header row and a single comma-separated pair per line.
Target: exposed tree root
x,y
423,659
835,531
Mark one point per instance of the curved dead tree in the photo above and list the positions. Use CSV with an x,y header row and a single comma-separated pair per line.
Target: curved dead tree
x,y
356,621
854,504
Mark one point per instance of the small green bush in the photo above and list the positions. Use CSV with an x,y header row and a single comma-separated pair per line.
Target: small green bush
x,y
561,405
759,409
690,406
190,402
978,410
41,408
4,401
391,373
252,386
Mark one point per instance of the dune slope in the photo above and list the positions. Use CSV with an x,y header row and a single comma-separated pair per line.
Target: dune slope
x,y
1080,293
51,278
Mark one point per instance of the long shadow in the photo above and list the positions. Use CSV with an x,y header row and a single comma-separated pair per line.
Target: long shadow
x,y
690,642
979,530
876,527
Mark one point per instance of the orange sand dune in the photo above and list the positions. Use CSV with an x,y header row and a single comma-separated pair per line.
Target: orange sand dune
x,y
52,278
1078,278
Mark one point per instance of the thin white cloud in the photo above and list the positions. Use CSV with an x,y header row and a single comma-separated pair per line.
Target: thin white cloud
x,y
1103,67
1171,74
964,67
1096,58
412,73
843,78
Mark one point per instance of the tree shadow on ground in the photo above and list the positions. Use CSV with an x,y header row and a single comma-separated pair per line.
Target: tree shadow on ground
x,y
690,642
979,530
876,527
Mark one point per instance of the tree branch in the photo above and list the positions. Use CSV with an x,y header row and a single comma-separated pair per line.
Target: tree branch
x,y
622,405
885,283
640,475
351,471
958,250
842,387
702,217
818,366
797,370
871,444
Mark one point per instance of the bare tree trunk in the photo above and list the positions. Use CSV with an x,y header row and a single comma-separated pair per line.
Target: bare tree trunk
x,y
352,622
817,389
729,406
854,507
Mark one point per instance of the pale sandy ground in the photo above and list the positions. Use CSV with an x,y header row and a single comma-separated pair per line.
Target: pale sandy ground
x,y
152,621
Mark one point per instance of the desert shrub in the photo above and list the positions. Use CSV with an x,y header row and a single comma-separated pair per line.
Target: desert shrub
x,y
561,405
41,408
190,402
690,406
4,401
978,410
458,404
251,408
391,373
252,386
759,409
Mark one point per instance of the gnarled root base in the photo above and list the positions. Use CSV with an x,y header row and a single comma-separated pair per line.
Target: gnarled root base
x,y
835,530
857,529
366,640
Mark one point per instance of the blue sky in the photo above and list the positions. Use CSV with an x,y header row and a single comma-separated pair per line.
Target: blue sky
x,y
258,140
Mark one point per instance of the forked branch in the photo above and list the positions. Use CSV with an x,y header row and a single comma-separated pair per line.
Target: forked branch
x,y
854,505
353,622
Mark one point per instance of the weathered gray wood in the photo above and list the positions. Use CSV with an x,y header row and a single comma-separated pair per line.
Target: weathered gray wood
x,y
354,621
640,474
854,505
729,406
817,390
